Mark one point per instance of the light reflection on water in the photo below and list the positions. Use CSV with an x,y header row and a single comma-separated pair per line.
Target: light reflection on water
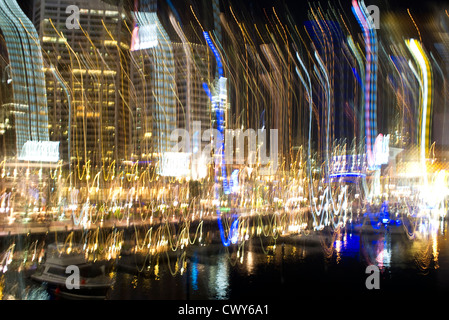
x,y
292,266
219,278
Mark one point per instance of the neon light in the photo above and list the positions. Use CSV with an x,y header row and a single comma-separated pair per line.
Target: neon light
x,y
218,104
426,85
426,82
347,174
233,232
327,195
324,71
215,52
308,87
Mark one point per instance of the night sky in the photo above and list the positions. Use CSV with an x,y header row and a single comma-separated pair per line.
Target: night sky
x,y
298,8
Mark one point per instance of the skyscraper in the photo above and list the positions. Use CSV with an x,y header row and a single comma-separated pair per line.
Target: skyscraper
x,y
153,77
167,72
24,101
87,75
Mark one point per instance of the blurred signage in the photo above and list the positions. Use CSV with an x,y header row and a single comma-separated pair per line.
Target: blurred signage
x,y
40,151
144,35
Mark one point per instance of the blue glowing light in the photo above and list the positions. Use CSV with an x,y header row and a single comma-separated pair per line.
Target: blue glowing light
x,y
347,174
233,232
215,52
207,90
195,272
218,104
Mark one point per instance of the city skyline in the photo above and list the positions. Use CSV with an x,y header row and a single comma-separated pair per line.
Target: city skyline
x,y
220,149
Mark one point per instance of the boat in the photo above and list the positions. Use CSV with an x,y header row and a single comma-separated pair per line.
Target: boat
x,y
88,280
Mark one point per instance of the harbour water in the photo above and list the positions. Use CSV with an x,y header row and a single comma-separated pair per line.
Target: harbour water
x,y
316,264
301,267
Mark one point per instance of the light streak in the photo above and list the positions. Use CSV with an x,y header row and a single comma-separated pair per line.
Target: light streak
x,y
347,174
160,205
426,104
28,79
370,78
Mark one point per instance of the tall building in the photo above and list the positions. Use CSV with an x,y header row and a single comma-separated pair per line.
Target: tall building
x,y
193,104
86,49
167,72
24,115
153,78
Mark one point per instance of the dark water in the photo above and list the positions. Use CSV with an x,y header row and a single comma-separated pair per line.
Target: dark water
x,y
320,264
301,266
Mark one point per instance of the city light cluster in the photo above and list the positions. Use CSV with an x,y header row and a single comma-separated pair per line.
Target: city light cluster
x,y
142,120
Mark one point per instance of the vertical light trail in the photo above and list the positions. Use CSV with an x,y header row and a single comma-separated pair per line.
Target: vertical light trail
x,y
328,93
327,196
308,87
426,101
188,53
219,107
356,53
28,85
370,78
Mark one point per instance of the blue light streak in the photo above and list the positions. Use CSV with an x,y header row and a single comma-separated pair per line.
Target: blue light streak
x,y
347,174
215,52
218,106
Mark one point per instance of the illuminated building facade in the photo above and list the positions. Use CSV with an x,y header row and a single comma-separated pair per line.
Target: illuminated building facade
x,y
153,77
24,116
193,108
87,79
7,134
167,72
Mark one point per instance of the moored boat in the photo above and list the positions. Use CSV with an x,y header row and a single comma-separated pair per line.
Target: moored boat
x,y
68,275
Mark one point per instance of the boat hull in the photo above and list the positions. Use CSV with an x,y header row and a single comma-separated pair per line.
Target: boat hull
x,y
59,290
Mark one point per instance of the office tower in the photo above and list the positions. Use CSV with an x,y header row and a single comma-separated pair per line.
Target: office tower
x,y
193,105
24,103
87,73
167,73
153,78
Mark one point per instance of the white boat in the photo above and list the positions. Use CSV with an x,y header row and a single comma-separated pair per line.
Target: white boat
x,y
93,282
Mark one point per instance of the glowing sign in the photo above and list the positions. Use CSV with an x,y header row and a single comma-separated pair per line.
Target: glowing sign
x,y
175,164
348,163
40,151
145,34
347,174
144,37
234,180
381,150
